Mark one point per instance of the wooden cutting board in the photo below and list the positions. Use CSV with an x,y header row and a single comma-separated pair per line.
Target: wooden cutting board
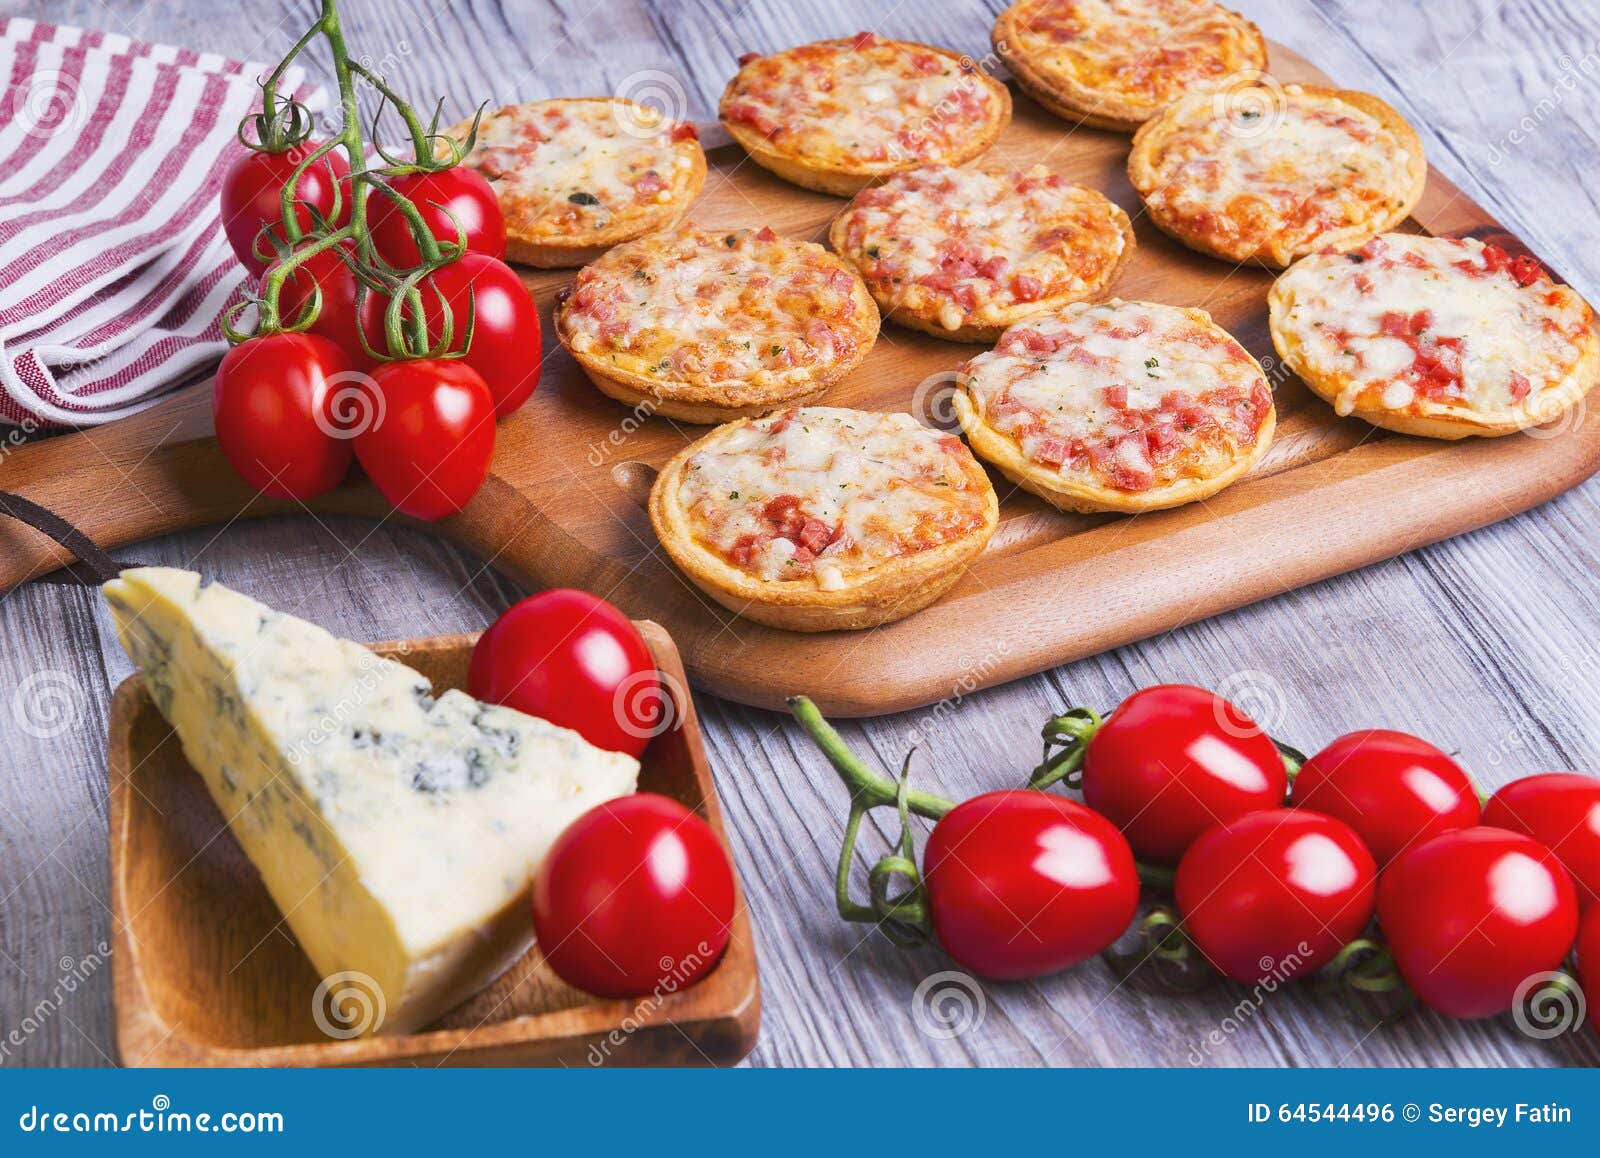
x,y
564,504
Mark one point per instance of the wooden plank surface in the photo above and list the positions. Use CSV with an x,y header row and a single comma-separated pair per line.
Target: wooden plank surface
x,y
1486,643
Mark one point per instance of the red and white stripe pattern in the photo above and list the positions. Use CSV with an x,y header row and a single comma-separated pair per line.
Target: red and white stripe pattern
x,y
114,269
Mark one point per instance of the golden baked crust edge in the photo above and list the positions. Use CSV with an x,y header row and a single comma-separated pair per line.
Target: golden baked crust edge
x,y
849,177
1144,178
926,319
892,591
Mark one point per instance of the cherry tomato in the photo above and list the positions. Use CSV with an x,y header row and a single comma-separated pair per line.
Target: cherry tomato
x,y
1589,962
337,317
252,190
635,896
1561,810
575,660
1395,790
1275,894
429,436
1172,761
273,403
506,337
1472,914
1023,883
460,191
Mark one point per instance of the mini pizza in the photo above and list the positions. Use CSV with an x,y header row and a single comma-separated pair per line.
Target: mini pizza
x,y
964,253
817,518
707,326
575,177
1120,406
1436,336
1268,174
840,115
1114,64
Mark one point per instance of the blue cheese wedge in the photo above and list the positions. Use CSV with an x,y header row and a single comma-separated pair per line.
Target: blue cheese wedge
x,y
398,831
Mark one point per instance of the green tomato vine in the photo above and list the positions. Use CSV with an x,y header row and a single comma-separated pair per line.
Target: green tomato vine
x,y
283,124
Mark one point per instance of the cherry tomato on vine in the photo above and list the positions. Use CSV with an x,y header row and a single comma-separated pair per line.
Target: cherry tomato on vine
x,y
1589,962
427,436
1023,883
1275,894
635,896
1561,810
1174,760
273,403
252,190
437,195
1395,790
337,316
1472,914
575,660
506,337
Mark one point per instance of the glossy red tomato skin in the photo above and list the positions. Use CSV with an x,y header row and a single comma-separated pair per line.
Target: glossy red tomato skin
x,y
1275,894
1394,789
636,896
463,192
1174,760
507,341
1023,883
430,436
252,190
272,406
1472,914
573,659
1561,810
1589,962
338,317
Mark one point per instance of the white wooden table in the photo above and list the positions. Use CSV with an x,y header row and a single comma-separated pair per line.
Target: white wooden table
x,y
1488,644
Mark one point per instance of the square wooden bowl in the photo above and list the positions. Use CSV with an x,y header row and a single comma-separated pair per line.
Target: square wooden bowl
x,y
207,974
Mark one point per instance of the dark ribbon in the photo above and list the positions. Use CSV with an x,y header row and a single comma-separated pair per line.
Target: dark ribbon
x,y
99,565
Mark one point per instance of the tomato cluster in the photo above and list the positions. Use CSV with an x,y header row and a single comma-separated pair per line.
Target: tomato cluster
x,y
1278,864
341,368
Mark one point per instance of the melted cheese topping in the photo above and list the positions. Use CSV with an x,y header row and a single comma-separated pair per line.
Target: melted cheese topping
x,y
1147,53
972,246
702,307
566,167
883,102
826,494
1125,395
1408,322
1267,169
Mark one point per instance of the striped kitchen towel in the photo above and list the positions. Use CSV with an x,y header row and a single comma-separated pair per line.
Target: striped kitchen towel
x,y
114,269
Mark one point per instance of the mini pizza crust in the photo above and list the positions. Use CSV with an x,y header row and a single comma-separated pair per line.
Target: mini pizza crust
x,y
576,237
701,398
924,310
1074,492
1276,252
1063,93
890,590
839,168
1545,403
